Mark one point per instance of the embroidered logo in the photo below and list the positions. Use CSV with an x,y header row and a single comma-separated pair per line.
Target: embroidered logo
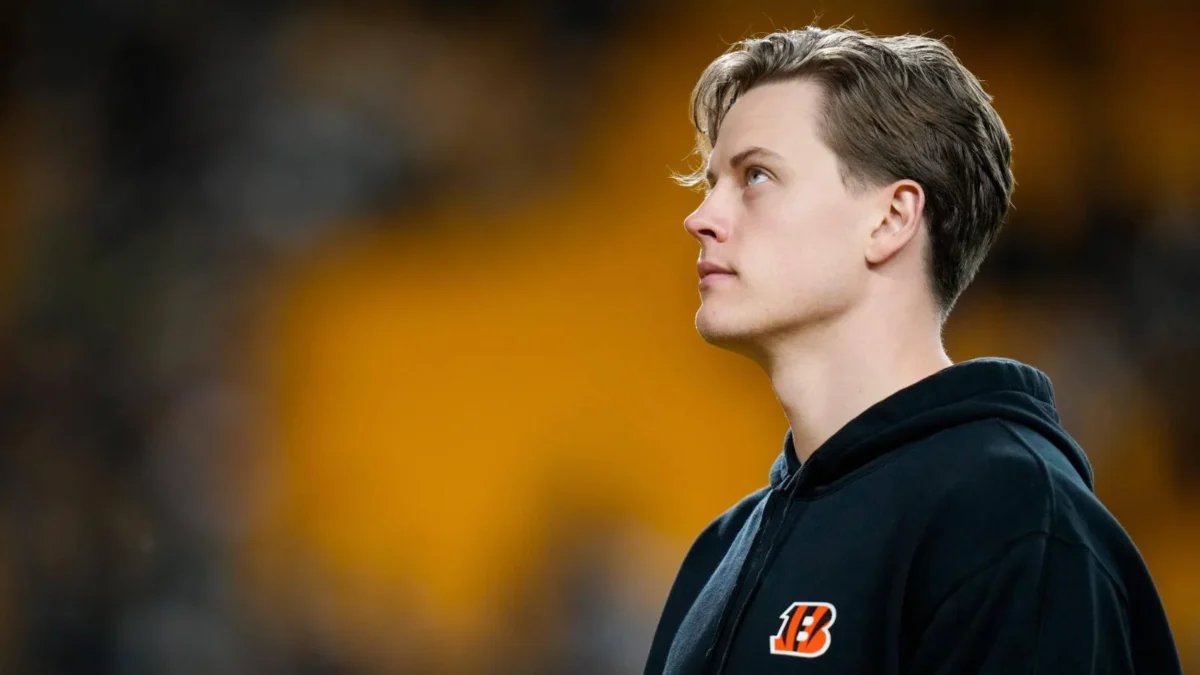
x,y
805,630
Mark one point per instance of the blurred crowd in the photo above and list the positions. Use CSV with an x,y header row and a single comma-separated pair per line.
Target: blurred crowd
x,y
316,354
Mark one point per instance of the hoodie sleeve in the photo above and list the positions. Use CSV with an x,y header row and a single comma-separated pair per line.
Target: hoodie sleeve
x,y
1043,605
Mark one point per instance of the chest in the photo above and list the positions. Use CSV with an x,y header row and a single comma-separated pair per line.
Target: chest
x,y
820,589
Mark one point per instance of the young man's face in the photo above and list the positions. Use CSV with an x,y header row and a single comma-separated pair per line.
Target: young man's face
x,y
779,216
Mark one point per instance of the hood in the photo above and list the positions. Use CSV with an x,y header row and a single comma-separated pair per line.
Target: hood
x,y
973,390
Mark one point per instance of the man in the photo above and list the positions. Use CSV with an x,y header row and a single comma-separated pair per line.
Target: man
x,y
924,517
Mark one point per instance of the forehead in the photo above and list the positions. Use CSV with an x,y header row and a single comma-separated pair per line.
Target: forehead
x,y
779,115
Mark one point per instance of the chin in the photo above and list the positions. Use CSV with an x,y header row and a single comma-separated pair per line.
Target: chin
x,y
728,332
747,333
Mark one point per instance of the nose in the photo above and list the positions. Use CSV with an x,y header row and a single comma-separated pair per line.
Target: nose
x,y
704,224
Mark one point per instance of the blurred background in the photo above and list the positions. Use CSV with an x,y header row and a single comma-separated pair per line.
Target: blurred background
x,y
356,337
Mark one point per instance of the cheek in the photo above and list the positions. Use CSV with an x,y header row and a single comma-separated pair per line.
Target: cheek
x,y
814,247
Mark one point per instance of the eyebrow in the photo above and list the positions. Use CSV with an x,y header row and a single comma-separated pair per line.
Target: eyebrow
x,y
740,159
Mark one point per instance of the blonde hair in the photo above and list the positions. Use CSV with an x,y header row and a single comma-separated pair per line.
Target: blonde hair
x,y
894,108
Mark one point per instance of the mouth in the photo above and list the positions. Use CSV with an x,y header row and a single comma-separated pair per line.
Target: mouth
x,y
711,272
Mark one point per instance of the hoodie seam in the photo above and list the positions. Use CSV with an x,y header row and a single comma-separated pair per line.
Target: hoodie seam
x,y
1054,537
1100,565
1046,532
1001,553
1051,506
1048,524
1052,494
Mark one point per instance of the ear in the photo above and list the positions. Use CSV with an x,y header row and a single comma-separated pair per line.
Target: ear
x,y
905,204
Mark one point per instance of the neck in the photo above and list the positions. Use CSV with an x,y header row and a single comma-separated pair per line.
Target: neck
x,y
829,375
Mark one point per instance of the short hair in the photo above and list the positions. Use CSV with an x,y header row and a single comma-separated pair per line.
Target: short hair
x,y
894,108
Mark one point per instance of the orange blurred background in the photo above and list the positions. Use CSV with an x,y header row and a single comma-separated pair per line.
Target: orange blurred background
x,y
358,337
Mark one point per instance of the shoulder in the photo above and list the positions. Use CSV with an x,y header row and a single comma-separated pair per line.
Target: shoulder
x,y
993,476
992,485
721,532
706,554
713,542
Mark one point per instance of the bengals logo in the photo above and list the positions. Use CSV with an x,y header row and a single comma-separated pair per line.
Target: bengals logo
x,y
805,630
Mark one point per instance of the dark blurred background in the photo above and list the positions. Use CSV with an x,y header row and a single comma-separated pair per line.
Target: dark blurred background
x,y
356,337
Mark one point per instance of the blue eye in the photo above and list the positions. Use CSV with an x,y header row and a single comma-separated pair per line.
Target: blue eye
x,y
753,174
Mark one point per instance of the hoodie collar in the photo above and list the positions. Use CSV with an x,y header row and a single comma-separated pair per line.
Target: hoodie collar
x,y
963,392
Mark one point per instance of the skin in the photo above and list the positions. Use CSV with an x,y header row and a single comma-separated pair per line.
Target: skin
x,y
829,292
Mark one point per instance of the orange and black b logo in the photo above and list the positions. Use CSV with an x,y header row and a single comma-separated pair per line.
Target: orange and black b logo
x,y
805,630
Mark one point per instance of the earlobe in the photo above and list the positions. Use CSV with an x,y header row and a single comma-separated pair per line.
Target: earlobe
x,y
900,223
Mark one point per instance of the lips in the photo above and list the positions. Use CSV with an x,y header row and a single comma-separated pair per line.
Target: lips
x,y
706,268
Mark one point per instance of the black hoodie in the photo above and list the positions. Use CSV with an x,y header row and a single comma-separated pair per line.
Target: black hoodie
x,y
951,528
